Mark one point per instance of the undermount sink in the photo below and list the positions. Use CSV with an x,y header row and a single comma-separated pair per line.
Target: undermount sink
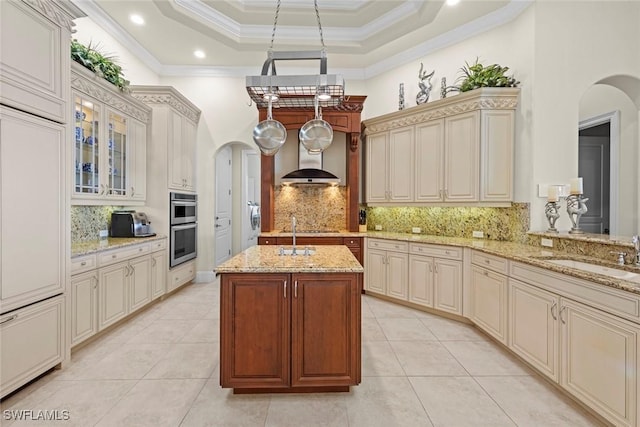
x,y
598,269
300,250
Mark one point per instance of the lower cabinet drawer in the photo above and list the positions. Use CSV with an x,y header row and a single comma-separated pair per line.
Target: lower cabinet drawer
x,y
178,276
31,342
83,263
158,245
117,255
388,245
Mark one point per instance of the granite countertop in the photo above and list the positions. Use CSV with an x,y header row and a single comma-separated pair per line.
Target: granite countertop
x,y
528,254
93,246
266,259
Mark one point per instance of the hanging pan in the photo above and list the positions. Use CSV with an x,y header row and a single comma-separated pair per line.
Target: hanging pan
x,y
269,134
316,135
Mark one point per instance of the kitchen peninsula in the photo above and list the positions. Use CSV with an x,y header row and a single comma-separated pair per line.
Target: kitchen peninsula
x,y
290,323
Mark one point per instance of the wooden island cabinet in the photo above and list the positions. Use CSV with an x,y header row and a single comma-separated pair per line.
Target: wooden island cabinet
x,y
290,323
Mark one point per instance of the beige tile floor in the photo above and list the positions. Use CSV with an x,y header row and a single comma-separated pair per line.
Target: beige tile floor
x,y
418,369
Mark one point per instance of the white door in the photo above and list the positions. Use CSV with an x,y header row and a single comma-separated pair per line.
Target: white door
x,y
250,198
223,205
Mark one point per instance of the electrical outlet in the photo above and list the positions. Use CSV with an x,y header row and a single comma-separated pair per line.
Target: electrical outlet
x,y
546,242
378,227
478,234
416,230
103,234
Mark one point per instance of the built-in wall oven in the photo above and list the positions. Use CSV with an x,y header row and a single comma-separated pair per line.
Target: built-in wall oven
x,y
184,228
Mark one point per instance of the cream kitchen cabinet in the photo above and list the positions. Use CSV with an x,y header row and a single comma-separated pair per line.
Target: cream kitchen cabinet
x,y
34,57
390,166
31,339
454,150
158,273
488,289
123,288
110,138
28,236
181,275
387,268
594,351
111,284
84,306
174,135
435,277
533,327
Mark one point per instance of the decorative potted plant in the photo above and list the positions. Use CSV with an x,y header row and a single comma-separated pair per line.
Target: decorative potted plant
x,y
104,66
477,75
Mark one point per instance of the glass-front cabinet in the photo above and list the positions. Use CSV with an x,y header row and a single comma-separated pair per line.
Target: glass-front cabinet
x,y
109,142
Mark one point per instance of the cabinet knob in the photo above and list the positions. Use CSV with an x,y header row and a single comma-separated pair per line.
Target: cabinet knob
x,y
139,249
447,252
114,256
83,263
486,261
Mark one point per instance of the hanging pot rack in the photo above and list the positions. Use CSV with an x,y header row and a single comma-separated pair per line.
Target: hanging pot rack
x,y
295,91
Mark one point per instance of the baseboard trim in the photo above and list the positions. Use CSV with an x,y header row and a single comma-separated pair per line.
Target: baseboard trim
x,y
204,276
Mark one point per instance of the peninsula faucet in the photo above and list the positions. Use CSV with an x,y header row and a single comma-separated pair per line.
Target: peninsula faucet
x,y
293,230
636,244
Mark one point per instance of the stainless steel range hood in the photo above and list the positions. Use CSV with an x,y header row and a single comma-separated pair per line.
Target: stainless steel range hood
x,y
309,170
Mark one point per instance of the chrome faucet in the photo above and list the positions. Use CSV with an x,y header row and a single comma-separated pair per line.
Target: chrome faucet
x,y
293,230
636,244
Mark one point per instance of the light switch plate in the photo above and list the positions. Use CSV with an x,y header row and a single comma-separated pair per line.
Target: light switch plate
x,y
378,227
478,234
103,234
548,243
416,230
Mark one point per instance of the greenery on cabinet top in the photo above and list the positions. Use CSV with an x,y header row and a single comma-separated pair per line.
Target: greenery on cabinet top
x,y
477,75
100,63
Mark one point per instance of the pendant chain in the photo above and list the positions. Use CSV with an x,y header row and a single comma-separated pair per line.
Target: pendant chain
x,y
275,23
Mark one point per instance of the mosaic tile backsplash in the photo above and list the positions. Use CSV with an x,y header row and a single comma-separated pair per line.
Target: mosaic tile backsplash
x,y
87,221
508,224
316,207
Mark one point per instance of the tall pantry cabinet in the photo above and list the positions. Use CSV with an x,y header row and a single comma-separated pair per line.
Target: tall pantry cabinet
x,y
35,198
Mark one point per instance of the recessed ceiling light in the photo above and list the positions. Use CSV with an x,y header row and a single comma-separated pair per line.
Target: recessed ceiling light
x,y
136,19
199,54
452,2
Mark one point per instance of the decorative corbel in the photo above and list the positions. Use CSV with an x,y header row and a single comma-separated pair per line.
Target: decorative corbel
x,y
355,139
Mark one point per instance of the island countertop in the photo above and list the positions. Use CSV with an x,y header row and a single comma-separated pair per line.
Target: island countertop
x,y
267,259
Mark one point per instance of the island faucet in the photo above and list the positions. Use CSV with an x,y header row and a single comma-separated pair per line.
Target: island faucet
x,y
636,244
293,230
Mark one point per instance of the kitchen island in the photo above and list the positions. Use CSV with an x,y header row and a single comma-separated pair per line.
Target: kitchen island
x,y
290,323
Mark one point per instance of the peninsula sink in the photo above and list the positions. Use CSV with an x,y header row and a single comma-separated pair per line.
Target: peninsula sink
x,y
598,269
300,251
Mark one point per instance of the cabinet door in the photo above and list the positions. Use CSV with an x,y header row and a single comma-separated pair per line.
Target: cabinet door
x,y
533,326
255,315
489,302
599,361
116,148
398,275
31,342
84,306
376,272
325,320
140,282
189,154
112,293
447,289
34,61
429,161
401,153
421,280
86,147
158,274
496,167
137,187
376,168
176,151
33,178
462,157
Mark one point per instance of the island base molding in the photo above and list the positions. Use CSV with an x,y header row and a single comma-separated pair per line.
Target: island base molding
x,y
328,389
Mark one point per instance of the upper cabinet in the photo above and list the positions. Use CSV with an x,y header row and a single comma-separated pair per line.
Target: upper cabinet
x,y
454,150
175,122
110,140
34,70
